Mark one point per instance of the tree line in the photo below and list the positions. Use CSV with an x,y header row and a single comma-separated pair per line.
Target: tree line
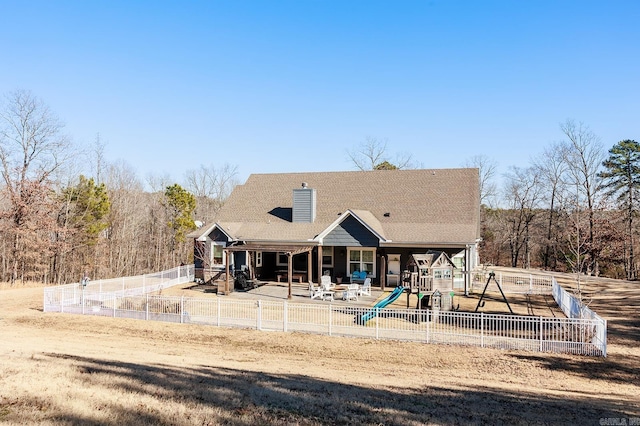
x,y
573,208
60,222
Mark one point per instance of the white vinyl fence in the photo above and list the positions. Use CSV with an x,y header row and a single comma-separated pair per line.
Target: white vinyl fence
x,y
573,308
512,283
566,335
95,292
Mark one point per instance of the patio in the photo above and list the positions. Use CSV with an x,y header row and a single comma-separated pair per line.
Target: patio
x,y
275,291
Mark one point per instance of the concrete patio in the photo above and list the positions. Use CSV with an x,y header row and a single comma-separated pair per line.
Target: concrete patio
x,y
278,291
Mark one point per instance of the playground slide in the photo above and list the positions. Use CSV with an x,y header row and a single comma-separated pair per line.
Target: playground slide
x,y
381,304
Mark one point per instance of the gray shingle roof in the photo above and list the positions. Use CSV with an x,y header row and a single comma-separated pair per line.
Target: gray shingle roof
x,y
423,206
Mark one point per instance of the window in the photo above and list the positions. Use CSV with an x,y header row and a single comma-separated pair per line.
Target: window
x,y
442,273
327,256
217,253
362,260
459,262
258,258
281,259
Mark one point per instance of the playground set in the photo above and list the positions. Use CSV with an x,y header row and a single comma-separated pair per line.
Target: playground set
x,y
429,276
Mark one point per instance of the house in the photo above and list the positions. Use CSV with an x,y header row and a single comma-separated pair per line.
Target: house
x,y
299,226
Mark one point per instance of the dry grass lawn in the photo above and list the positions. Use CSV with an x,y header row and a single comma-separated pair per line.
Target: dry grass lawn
x,y
66,370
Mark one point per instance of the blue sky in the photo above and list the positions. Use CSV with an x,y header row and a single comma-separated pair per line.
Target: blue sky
x,y
288,86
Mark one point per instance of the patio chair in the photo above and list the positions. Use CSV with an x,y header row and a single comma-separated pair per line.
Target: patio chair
x,y
315,291
325,282
351,293
365,290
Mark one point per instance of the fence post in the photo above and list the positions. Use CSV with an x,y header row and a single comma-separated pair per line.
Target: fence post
x,y
82,299
146,308
114,305
482,329
530,283
218,313
259,316
603,323
428,326
330,318
377,322
181,309
285,316
541,337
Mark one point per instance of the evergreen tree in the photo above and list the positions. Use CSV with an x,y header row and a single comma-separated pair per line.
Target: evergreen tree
x,y
180,205
90,208
622,179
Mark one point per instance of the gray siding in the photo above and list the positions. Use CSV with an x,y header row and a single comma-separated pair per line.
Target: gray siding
x,y
304,205
219,236
351,233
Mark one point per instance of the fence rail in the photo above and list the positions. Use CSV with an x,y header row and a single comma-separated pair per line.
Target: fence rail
x,y
581,334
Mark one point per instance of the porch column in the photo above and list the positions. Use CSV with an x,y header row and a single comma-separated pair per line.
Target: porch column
x,y
226,272
309,265
319,256
465,272
289,271
383,271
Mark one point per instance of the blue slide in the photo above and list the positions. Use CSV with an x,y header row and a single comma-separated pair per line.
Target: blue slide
x,y
381,304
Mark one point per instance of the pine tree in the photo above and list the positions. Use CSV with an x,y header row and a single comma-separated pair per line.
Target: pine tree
x,y
622,179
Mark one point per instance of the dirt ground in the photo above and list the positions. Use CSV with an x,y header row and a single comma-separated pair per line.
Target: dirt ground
x,y
66,369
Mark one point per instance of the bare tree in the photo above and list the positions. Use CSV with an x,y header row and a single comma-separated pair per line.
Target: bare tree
x,y
372,154
551,167
522,192
584,155
129,238
211,187
487,168
32,148
98,161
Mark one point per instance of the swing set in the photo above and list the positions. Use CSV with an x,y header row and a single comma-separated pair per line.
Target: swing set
x,y
492,275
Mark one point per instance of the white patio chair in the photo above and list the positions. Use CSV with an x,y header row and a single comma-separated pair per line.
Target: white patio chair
x,y
365,290
325,283
351,293
315,291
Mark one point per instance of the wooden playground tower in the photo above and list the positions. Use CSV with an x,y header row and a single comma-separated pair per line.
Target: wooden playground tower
x,y
427,273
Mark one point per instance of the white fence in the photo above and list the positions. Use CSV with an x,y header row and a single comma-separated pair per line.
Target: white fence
x,y
573,308
514,283
579,335
95,292
564,335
